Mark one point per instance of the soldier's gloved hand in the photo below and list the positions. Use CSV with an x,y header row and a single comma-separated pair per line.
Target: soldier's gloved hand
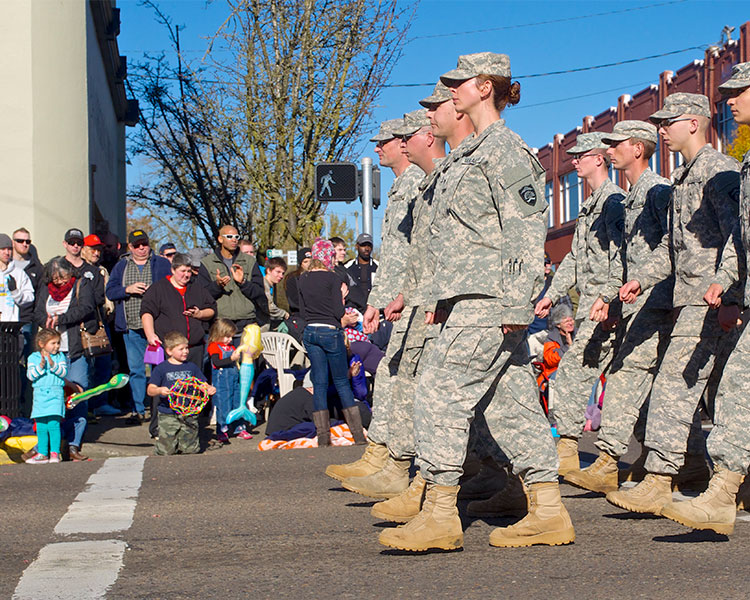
x,y
11,283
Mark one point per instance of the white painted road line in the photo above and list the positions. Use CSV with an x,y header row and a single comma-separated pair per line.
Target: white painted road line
x,y
108,503
85,570
72,571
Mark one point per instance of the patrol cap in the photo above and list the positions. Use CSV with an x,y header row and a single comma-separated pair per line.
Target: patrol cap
x,y
740,78
682,103
588,141
413,122
481,63
625,130
440,94
386,130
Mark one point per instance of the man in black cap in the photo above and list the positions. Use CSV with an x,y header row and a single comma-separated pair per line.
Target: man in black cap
x,y
130,279
363,268
167,251
73,244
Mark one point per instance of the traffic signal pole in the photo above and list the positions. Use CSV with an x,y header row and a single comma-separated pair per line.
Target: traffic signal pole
x,y
366,195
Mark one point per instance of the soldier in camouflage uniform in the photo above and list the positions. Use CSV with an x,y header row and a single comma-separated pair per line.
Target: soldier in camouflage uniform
x,y
455,128
493,212
645,325
704,210
395,235
729,440
593,255
422,149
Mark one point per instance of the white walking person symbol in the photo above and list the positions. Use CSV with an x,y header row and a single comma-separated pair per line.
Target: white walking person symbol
x,y
326,182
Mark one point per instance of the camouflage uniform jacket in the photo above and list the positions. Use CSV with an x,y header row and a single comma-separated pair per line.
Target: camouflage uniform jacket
x,y
420,261
490,253
736,253
595,248
645,249
396,237
705,206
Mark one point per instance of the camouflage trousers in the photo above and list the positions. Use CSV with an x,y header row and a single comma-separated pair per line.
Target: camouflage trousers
x,y
418,340
463,364
683,376
382,387
177,434
631,375
729,440
587,358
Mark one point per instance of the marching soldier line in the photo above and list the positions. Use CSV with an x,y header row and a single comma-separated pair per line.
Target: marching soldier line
x,y
661,273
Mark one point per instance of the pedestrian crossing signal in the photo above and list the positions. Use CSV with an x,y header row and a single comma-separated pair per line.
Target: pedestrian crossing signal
x,y
336,182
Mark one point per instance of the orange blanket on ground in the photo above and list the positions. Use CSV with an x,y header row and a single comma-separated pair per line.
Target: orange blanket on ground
x,y
340,436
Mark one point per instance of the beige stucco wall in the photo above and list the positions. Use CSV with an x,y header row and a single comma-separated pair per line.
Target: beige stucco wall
x,y
57,119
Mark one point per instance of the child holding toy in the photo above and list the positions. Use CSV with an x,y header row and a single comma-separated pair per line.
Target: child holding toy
x,y
46,370
177,433
225,376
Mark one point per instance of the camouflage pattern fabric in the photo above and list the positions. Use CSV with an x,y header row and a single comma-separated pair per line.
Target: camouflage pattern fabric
x,y
729,441
705,207
680,384
177,434
395,236
704,212
382,387
645,244
492,212
587,358
596,245
630,379
736,253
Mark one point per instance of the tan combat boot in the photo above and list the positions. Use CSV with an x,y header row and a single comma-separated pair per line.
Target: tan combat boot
x,y
511,501
649,496
694,474
601,476
743,495
490,479
713,509
548,522
404,507
567,452
636,471
390,481
436,526
372,461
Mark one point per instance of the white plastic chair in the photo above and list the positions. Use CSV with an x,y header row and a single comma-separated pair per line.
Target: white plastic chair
x,y
281,351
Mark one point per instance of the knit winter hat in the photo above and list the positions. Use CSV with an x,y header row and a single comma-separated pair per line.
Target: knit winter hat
x,y
323,250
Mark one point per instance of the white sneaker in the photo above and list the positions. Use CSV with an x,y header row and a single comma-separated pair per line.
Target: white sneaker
x,y
37,459
54,457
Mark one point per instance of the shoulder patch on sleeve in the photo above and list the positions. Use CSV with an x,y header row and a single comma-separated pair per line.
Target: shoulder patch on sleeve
x,y
528,194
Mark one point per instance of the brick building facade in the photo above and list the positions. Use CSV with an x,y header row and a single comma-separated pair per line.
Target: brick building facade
x,y
565,191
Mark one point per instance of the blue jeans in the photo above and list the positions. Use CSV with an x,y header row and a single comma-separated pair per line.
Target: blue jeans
x,y
75,418
227,396
327,350
135,346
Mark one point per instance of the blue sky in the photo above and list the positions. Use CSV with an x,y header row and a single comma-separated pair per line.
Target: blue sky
x,y
539,36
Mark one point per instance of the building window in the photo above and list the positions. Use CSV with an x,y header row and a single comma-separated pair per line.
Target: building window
x,y
550,197
726,126
570,186
654,163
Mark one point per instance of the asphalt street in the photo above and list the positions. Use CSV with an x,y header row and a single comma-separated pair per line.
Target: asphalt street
x,y
238,523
